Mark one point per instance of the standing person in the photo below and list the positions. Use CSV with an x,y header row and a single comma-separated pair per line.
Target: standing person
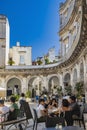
x,y
22,98
37,98
74,106
67,112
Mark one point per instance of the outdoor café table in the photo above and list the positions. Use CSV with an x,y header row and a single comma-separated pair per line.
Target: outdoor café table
x,y
66,128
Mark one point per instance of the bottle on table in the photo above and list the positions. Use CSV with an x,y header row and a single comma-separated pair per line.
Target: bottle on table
x,y
56,126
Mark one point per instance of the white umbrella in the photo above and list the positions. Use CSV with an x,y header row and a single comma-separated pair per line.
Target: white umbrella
x,y
2,89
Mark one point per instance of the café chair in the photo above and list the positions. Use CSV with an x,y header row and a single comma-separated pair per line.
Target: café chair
x,y
36,120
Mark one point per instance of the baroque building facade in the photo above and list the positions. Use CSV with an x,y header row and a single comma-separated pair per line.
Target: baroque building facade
x,y
21,55
70,69
4,40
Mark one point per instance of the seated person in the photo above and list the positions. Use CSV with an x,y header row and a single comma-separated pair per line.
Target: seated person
x,y
53,108
41,111
74,106
3,110
54,103
13,113
65,105
46,104
50,108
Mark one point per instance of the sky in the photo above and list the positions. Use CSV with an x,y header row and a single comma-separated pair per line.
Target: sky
x,y
33,23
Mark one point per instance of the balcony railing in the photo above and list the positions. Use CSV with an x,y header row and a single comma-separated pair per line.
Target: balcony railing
x,y
14,67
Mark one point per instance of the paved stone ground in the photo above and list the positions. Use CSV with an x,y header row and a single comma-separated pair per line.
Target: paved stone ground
x,y
40,125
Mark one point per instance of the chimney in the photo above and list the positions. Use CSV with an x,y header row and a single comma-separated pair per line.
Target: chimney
x,y
18,44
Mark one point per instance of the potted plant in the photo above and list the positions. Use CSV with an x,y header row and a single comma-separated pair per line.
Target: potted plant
x,y
28,94
68,89
46,60
11,62
39,62
79,89
59,90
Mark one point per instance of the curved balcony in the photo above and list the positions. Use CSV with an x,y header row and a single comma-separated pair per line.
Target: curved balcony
x,y
74,52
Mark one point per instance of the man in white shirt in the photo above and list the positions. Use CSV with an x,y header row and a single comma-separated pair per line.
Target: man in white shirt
x,y
41,111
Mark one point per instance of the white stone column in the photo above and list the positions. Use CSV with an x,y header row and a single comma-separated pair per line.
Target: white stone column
x,y
85,86
45,83
85,66
78,72
61,48
62,81
3,85
24,85
72,82
85,78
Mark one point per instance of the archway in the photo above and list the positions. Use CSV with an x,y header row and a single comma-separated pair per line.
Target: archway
x,y
13,86
67,79
53,84
75,77
80,85
31,87
35,86
67,84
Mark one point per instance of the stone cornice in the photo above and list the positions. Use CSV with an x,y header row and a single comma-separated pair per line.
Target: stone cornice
x,y
62,7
